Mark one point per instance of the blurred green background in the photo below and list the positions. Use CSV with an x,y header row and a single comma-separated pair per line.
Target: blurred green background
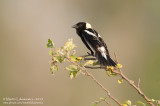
x,y
131,28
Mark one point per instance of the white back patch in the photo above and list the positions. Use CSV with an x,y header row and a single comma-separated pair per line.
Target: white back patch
x,y
88,25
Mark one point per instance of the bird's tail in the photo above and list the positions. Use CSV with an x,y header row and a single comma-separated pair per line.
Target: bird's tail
x,y
104,60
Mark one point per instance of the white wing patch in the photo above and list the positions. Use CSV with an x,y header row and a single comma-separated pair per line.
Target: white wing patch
x,y
103,51
90,33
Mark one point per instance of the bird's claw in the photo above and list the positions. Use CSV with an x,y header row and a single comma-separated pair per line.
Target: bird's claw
x,y
89,53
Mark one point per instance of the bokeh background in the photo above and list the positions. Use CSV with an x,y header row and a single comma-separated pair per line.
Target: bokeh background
x,y
131,28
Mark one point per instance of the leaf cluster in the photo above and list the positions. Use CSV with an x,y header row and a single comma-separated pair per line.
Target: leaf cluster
x,y
59,55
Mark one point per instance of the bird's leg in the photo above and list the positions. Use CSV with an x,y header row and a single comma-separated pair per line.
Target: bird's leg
x,y
89,54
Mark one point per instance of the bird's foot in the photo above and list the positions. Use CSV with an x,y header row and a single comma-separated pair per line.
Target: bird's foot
x,y
90,54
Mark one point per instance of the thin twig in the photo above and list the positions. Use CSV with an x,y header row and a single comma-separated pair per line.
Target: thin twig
x,y
95,67
116,58
107,102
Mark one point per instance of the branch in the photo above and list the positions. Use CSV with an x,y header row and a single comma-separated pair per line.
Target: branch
x,y
94,79
134,86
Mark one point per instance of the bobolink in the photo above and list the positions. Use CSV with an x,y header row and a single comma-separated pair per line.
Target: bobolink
x,y
93,40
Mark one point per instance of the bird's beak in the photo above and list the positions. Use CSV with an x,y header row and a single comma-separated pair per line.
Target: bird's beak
x,y
75,26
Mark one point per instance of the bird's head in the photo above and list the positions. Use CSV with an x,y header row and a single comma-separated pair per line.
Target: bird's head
x,y
82,26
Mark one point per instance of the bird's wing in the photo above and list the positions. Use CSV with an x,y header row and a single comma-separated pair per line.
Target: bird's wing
x,y
91,37
86,44
104,44
94,38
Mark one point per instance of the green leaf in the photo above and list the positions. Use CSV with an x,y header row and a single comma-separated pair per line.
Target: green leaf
x,y
131,81
73,58
141,103
56,68
54,58
52,66
49,41
79,58
120,81
73,74
50,52
49,44
72,68
119,66
110,68
152,100
95,63
110,73
94,104
69,45
102,98
52,72
90,62
73,71
60,59
128,103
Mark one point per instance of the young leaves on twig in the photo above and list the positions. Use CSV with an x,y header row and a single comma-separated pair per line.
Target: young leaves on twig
x,y
58,55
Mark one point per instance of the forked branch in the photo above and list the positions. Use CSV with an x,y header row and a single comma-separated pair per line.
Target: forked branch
x,y
95,80
133,85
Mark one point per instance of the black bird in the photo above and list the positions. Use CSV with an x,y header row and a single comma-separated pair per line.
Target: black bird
x,y
93,41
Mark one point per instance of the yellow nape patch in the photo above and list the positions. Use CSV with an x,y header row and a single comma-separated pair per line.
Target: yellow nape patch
x,y
88,25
